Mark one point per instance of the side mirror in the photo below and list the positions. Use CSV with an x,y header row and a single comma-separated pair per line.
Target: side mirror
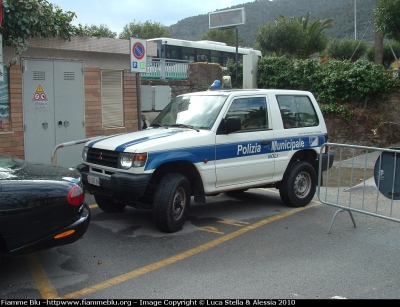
x,y
233,124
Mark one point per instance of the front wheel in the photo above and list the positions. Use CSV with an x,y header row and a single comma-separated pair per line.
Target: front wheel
x,y
298,184
171,202
107,204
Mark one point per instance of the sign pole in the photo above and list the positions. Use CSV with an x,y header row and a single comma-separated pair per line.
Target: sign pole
x,y
237,56
139,100
138,65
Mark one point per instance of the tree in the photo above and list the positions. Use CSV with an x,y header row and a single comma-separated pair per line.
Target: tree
x,y
144,30
227,36
295,37
24,19
346,49
315,38
281,38
387,54
378,57
387,18
101,31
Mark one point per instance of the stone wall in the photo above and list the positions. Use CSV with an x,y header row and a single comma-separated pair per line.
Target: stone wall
x,y
375,127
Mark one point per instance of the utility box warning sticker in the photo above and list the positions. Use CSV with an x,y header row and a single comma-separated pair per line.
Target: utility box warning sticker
x,y
40,98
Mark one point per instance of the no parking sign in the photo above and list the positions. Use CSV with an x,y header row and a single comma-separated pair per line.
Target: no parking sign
x,y
138,55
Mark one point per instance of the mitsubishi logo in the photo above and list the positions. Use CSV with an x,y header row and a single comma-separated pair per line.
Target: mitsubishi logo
x,y
100,156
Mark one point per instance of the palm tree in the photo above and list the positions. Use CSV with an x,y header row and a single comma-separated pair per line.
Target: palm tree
x,y
315,38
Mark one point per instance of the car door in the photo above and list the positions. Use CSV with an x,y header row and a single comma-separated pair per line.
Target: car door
x,y
246,156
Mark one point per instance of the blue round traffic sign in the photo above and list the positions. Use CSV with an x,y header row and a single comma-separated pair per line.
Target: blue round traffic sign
x,y
138,50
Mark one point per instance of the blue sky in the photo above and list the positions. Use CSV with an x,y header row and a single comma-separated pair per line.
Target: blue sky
x,y
117,13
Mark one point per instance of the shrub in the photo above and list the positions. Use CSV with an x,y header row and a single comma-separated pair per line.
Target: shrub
x,y
346,49
344,81
332,83
275,72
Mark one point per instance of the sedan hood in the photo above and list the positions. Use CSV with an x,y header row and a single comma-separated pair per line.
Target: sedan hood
x,y
22,170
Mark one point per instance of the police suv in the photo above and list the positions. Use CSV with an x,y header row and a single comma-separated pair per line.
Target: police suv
x,y
210,142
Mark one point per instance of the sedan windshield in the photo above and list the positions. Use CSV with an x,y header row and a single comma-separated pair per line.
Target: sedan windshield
x,y
198,112
7,163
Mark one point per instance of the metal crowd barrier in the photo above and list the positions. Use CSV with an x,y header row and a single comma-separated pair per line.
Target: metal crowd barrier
x,y
362,179
77,142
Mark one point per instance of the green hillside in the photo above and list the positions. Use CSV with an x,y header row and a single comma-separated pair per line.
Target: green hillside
x,y
260,12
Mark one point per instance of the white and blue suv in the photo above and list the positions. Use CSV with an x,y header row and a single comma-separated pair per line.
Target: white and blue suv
x,y
207,143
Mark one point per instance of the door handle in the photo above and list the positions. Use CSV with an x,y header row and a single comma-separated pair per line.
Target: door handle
x,y
266,143
66,124
45,125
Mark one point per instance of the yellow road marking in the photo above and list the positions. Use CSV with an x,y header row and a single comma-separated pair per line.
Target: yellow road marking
x,y
159,264
46,289
211,229
233,223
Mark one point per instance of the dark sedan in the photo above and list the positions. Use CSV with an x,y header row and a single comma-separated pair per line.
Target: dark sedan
x,y
41,206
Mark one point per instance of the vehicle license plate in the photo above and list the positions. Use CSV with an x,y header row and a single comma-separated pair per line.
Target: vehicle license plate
x,y
93,180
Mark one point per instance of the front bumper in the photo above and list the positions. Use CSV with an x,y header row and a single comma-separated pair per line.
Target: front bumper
x,y
122,185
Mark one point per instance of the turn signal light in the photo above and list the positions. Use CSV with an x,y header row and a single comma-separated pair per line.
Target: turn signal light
x,y
64,234
139,160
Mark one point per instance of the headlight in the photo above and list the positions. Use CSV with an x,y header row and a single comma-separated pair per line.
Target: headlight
x,y
128,160
84,153
125,160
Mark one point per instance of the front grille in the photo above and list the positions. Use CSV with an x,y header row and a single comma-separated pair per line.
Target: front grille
x,y
103,157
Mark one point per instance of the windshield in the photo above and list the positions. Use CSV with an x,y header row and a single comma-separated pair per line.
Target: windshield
x,y
199,111
7,163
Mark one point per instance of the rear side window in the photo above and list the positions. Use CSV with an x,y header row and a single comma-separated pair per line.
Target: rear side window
x,y
251,111
297,111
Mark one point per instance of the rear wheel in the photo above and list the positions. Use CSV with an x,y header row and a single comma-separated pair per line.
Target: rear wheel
x,y
107,204
298,185
171,202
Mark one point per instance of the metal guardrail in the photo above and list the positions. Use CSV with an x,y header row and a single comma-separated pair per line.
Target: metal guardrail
x,y
362,179
54,151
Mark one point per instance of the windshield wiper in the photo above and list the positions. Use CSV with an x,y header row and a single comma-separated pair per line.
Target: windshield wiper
x,y
184,126
158,125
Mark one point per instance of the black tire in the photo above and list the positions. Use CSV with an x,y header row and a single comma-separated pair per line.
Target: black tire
x,y
298,184
107,204
171,202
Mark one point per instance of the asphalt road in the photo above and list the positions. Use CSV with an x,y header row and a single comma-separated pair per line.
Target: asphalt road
x,y
236,248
